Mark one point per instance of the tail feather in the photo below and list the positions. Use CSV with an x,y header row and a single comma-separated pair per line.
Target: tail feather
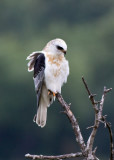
x,y
41,116
43,102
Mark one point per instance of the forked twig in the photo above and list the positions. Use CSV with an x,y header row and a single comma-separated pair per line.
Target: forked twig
x,y
98,108
77,132
87,151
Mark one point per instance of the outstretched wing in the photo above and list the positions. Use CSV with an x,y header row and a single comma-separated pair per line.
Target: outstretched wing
x,y
39,68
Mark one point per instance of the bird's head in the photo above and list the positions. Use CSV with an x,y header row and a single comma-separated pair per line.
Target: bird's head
x,y
56,47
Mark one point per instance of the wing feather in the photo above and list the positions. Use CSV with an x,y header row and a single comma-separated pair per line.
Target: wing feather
x,y
39,68
32,59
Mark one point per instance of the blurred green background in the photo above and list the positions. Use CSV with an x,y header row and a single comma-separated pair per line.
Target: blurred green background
x,y
26,26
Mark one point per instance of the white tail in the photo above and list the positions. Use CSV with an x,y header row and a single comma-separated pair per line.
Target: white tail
x,y
41,116
43,103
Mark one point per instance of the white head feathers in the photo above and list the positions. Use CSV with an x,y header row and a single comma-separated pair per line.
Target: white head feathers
x,y
56,46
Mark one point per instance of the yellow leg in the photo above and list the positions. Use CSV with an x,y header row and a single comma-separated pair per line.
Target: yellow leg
x,y
50,92
54,94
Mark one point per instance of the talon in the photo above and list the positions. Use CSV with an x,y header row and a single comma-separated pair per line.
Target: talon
x,y
53,93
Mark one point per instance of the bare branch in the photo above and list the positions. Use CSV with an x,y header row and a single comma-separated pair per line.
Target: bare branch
x,y
108,125
87,151
107,90
59,157
98,114
111,141
90,127
91,96
86,86
73,121
96,122
93,133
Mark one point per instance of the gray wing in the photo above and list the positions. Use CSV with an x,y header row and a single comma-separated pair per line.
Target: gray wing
x,y
39,68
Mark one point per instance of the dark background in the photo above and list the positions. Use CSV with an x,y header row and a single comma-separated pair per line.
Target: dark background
x,y
26,26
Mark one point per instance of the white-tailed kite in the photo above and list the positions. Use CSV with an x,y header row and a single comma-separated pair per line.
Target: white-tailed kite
x,y
51,70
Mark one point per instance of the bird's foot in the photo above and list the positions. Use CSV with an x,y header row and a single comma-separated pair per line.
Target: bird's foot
x,y
52,93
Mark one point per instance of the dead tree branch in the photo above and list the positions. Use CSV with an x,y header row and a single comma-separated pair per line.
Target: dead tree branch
x,y
96,122
108,125
87,151
59,157
73,121
98,108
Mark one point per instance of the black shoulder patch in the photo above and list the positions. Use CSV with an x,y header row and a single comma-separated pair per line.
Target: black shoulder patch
x,y
39,64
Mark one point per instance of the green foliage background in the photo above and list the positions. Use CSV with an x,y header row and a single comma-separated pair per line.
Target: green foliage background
x,y
26,26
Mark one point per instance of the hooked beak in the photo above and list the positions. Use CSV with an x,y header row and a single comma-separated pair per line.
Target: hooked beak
x,y
64,52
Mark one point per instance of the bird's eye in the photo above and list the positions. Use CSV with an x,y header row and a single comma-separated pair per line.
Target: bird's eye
x,y
59,48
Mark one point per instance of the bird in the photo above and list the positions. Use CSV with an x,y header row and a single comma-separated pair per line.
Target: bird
x,y
50,71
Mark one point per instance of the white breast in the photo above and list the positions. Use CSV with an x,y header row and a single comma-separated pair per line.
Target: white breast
x,y
56,73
